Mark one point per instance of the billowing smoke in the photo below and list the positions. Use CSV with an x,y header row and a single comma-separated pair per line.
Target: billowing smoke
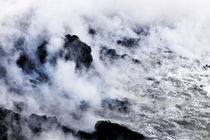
x,y
141,63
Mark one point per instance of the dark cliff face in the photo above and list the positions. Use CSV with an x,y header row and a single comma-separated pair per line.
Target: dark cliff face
x,y
13,126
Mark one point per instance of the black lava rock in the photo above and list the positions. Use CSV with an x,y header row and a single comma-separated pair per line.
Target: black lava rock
x,y
106,130
113,131
31,67
91,31
128,42
77,51
25,63
136,61
28,66
111,53
122,106
3,72
71,38
37,123
42,52
12,126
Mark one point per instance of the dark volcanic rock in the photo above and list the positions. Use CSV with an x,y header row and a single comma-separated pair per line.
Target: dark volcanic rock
x,y
136,61
37,124
42,52
122,106
73,50
206,67
128,42
10,127
3,72
91,31
105,130
111,53
77,51
29,66
13,124
25,63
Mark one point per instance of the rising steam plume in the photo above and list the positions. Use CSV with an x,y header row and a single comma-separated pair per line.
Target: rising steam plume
x,y
99,69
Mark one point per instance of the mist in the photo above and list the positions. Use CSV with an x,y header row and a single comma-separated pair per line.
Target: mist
x,y
148,70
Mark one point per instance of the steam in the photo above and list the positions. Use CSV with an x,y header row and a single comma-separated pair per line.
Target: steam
x,y
178,26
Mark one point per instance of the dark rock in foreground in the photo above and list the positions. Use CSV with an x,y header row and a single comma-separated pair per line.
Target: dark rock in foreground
x,y
10,126
105,130
13,126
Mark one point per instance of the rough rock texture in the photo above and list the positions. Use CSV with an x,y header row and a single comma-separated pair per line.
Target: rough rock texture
x,y
77,51
3,72
111,55
73,50
10,125
31,67
25,63
13,126
105,130
122,106
128,42
37,124
42,52
92,31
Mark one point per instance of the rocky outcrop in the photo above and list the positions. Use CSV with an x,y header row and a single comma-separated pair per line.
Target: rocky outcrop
x,y
25,63
128,42
73,50
10,125
42,52
106,130
122,106
77,51
3,72
111,55
13,126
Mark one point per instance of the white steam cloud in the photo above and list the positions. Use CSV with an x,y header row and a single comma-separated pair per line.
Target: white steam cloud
x,y
173,53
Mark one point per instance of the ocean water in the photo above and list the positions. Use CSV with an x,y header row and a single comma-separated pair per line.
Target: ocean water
x,y
154,79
